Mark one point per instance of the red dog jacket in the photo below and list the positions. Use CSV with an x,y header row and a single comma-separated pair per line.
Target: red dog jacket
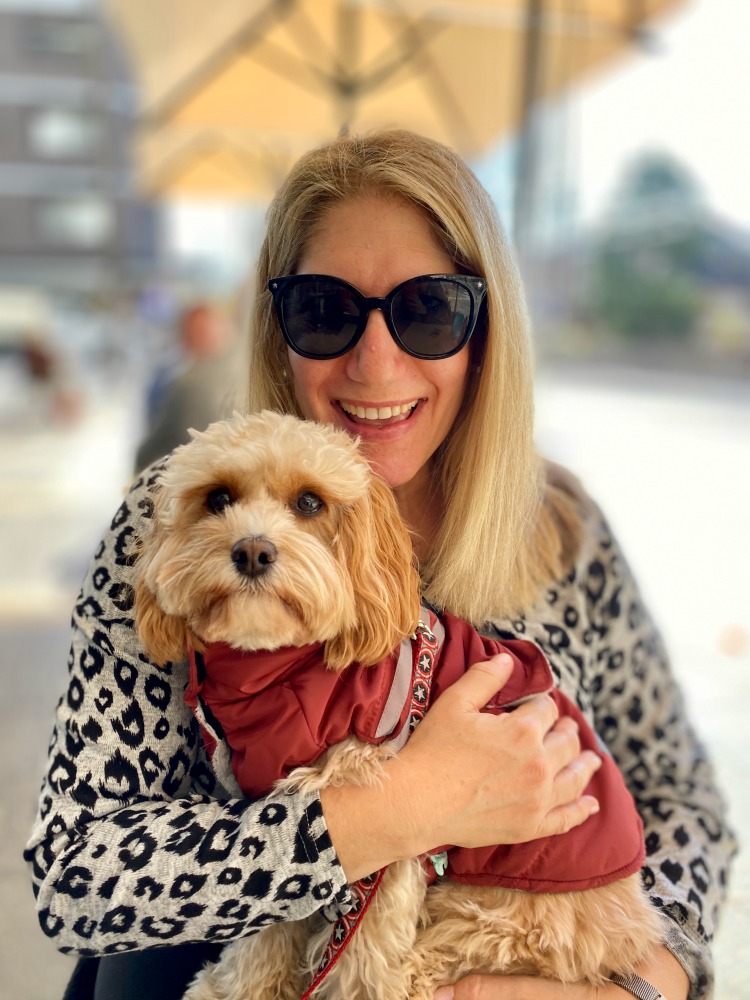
x,y
282,709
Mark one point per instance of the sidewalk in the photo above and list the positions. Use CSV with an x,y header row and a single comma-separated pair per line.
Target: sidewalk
x,y
58,489
668,459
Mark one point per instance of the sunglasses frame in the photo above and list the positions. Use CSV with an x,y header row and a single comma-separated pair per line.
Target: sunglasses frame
x,y
476,287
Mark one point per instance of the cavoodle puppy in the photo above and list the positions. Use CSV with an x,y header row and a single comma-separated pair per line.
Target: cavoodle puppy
x,y
279,564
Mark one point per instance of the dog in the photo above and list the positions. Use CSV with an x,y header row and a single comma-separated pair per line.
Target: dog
x,y
275,545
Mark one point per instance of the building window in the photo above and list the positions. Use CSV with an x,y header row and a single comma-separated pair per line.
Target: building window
x,y
85,222
59,37
48,6
58,134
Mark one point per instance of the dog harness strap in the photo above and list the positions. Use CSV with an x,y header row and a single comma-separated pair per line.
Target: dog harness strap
x,y
425,647
425,651
363,891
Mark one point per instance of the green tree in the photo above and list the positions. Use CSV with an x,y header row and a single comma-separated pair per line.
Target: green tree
x,y
644,271
641,295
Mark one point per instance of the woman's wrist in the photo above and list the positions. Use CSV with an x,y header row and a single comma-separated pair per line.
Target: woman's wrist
x,y
662,973
372,826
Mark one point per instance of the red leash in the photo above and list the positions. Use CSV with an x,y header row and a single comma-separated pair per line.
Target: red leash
x,y
364,892
365,888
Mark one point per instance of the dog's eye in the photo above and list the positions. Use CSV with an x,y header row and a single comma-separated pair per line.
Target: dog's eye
x,y
308,503
218,500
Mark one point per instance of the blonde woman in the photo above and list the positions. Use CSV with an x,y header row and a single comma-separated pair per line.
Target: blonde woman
x,y
136,847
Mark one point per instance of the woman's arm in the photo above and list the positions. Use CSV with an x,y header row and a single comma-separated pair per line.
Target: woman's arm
x,y
641,716
609,657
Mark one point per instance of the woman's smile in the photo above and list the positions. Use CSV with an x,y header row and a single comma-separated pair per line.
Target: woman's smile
x,y
369,413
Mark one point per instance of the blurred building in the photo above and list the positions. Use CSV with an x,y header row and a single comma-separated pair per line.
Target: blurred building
x,y
70,219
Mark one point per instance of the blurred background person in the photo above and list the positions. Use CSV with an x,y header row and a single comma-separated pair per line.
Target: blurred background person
x,y
54,396
192,390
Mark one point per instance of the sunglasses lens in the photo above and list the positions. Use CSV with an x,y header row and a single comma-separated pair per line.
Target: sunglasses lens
x,y
432,316
320,317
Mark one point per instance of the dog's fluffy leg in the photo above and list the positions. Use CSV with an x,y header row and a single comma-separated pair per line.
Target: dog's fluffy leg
x,y
571,937
373,966
265,966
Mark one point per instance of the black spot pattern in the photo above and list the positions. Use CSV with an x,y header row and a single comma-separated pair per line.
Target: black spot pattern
x,y
607,655
134,847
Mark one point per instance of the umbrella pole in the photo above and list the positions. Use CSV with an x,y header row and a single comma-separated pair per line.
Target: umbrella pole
x,y
525,179
347,71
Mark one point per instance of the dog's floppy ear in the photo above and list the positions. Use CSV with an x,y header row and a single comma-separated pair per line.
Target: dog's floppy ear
x,y
376,547
165,637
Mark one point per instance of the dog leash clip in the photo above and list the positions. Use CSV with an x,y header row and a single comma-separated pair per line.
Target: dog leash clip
x,y
439,862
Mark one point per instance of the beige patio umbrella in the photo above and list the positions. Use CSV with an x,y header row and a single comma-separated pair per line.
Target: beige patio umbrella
x,y
257,72
199,163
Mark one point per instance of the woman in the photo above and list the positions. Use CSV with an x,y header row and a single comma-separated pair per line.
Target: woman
x,y
136,847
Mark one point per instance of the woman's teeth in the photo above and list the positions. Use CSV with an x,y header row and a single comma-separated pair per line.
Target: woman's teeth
x,y
381,413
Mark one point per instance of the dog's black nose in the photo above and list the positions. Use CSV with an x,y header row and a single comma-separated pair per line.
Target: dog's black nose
x,y
253,556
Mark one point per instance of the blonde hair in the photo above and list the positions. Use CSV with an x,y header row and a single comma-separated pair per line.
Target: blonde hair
x,y
505,532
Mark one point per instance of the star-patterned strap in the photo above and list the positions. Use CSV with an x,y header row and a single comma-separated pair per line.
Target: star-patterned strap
x,y
363,891
425,649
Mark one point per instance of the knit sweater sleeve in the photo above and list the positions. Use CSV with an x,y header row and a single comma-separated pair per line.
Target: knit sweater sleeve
x,y
641,715
608,656
135,845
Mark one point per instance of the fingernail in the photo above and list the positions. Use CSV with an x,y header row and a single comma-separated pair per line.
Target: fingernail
x,y
444,993
594,806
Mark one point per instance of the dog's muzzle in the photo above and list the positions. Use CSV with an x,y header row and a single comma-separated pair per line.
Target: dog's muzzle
x,y
253,556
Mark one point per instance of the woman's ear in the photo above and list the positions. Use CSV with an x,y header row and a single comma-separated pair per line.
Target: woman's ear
x,y
374,544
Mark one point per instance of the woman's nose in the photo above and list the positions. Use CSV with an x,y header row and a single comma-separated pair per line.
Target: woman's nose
x,y
376,355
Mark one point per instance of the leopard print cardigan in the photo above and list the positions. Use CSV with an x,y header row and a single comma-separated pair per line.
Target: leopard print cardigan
x,y
136,844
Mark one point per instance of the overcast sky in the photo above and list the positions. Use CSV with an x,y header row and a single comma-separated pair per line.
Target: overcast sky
x,y
691,98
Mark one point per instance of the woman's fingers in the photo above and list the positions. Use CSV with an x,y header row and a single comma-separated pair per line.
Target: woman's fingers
x,y
565,818
477,987
486,778
481,683
570,769
571,781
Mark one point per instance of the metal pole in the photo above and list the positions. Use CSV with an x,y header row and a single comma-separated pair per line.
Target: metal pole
x,y
525,180
347,71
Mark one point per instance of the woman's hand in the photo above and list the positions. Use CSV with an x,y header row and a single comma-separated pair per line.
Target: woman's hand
x,y
467,778
662,970
496,779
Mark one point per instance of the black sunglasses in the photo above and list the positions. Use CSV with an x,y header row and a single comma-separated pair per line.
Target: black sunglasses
x,y
429,317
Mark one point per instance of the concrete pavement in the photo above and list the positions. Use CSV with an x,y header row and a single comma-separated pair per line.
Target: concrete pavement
x,y
59,485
